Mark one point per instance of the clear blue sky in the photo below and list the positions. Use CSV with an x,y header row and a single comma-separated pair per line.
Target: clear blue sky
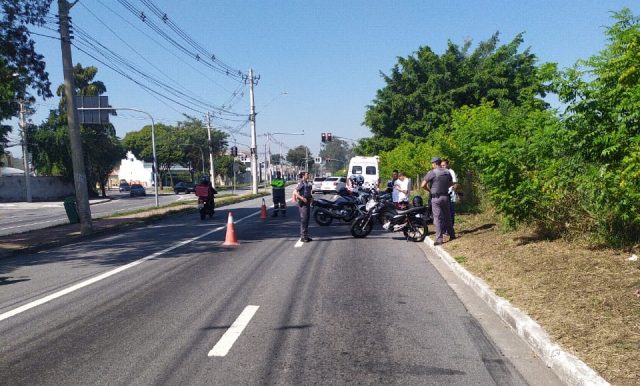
x,y
326,55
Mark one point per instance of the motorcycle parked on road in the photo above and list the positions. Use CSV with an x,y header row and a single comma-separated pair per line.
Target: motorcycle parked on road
x,y
344,208
411,222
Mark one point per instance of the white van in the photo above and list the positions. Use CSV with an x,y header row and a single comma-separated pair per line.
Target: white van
x,y
367,167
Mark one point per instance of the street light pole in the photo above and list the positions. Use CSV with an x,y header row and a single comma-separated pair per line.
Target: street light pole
x,y
283,133
25,153
212,173
254,146
153,140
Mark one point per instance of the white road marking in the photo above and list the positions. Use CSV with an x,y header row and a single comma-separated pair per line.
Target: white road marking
x,y
229,338
299,243
107,274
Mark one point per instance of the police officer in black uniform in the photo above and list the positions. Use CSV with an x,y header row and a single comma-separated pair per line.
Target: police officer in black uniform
x,y
302,195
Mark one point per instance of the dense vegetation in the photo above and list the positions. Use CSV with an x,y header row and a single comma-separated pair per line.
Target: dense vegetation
x,y
570,172
21,68
50,141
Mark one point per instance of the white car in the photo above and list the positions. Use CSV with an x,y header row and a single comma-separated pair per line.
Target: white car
x,y
333,184
317,184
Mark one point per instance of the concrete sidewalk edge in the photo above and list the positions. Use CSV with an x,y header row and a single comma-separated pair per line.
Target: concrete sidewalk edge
x,y
568,367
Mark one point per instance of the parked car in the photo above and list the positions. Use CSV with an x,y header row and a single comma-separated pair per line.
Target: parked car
x,y
317,184
124,186
137,190
183,187
333,184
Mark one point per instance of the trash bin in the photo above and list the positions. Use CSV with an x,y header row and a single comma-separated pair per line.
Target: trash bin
x,y
71,209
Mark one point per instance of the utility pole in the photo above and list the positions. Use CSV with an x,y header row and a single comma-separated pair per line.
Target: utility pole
x,y
77,157
25,153
212,173
254,146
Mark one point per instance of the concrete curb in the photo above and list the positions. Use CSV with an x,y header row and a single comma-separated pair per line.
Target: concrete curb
x,y
569,368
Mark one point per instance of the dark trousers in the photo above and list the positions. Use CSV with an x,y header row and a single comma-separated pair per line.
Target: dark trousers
x,y
305,212
442,217
279,202
452,206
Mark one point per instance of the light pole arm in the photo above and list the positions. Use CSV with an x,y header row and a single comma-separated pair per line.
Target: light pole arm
x,y
153,140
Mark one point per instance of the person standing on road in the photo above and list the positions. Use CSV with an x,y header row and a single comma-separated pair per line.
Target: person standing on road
x,y
277,191
401,190
302,195
391,182
438,180
453,195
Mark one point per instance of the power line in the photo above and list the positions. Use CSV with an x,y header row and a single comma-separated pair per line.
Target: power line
x,y
210,61
164,48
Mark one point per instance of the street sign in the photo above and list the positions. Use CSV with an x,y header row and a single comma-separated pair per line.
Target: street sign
x,y
93,110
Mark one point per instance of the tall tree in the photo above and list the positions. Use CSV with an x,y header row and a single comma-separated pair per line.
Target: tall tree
x,y
336,154
50,144
299,156
168,150
21,67
603,120
424,89
192,138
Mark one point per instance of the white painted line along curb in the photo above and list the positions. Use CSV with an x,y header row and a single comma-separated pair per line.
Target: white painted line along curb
x,y
107,274
231,335
569,368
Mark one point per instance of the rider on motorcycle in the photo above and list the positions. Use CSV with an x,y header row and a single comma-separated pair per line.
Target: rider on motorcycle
x,y
205,186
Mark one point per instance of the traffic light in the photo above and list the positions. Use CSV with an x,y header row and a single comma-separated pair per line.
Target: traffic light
x,y
324,137
234,151
329,137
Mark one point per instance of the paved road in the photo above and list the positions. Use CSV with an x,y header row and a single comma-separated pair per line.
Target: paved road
x,y
22,216
164,303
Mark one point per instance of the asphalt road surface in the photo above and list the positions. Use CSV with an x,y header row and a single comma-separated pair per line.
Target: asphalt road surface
x,y
22,216
169,304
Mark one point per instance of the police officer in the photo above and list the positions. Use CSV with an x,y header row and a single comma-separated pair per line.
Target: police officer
x,y
439,180
302,195
277,190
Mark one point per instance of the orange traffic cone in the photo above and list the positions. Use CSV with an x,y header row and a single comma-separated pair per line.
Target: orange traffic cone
x,y
263,210
230,238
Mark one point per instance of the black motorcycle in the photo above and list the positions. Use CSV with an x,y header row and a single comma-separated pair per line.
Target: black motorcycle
x,y
412,222
344,208
206,202
206,207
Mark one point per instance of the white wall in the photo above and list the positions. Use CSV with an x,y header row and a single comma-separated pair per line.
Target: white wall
x,y
133,171
12,188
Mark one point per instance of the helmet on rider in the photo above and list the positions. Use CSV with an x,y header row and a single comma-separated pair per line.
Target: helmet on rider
x,y
417,201
359,180
204,180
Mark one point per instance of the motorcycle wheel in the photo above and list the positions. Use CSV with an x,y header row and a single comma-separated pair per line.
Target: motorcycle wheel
x,y
361,227
353,212
415,232
322,218
203,215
